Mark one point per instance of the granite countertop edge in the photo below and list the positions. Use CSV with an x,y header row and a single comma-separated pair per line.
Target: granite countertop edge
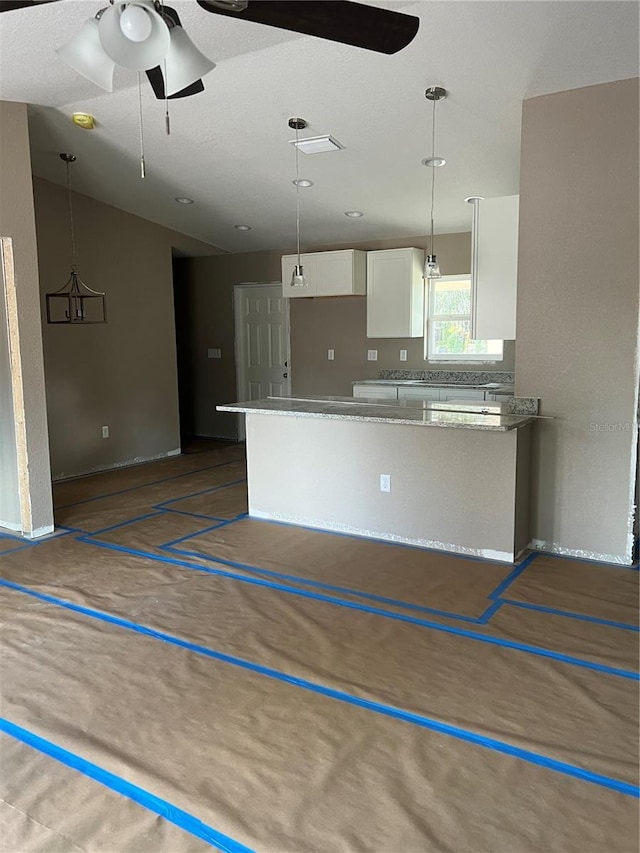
x,y
354,412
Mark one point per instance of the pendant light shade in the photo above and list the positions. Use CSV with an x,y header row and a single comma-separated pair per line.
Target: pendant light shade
x,y
298,278
134,35
431,266
74,302
85,54
184,64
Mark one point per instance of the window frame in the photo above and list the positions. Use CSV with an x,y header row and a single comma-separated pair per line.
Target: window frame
x,y
429,319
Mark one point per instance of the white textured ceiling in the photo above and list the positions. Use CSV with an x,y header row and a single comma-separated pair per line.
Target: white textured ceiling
x,y
228,147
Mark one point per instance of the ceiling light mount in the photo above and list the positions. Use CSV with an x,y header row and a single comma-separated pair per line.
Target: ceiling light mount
x,y
435,93
297,123
433,162
302,182
354,214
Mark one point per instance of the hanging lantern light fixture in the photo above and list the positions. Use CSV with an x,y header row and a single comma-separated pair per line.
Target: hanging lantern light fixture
x,y
75,302
298,278
433,94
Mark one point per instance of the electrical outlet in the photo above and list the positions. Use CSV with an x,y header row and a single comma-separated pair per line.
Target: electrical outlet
x,y
372,355
403,355
331,354
105,432
385,482
214,353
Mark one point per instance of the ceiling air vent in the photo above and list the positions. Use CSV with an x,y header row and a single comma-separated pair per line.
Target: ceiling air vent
x,y
318,144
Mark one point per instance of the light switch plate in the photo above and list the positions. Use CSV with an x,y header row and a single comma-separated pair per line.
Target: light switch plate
x,y
385,482
214,353
372,355
403,355
331,354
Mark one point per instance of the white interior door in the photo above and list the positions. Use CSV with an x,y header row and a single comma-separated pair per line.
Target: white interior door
x,y
262,343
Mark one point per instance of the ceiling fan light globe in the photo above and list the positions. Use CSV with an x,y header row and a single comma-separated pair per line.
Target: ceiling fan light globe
x,y
135,23
85,54
184,64
137,56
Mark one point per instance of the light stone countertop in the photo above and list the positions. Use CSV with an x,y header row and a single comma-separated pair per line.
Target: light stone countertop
x,y
463,415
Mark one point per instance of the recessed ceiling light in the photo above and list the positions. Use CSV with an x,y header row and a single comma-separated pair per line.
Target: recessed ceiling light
x,y
184,200
434,161
242,227
302,182
317,144
354,214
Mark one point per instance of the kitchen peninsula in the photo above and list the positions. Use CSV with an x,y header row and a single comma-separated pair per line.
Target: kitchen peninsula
x,y
455,476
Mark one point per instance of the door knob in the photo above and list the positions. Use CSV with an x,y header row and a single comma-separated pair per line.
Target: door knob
x,y
286,364
285,375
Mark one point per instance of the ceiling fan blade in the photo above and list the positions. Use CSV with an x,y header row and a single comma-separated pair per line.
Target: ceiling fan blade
x,y
156,78
363,26
8,5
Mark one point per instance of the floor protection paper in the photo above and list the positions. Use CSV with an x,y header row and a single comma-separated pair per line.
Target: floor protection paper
x,y
284,690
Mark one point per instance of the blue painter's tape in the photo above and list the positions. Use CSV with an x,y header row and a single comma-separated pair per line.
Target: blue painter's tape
x,y
201,492
388,614
379,541
161,807
125,523
168,509
151,483
476,620
571,615
511,577
377,707
168,545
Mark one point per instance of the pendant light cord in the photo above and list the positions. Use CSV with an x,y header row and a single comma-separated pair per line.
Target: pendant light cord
x,y
142,163
74,266
297,197
433,169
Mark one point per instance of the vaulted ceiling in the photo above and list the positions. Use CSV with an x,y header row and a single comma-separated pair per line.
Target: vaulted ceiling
x,y
228,149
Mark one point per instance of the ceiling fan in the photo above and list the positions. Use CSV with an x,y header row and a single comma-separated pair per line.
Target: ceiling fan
x,y
106,40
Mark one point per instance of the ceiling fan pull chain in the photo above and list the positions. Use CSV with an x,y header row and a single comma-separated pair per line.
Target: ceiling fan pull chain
x,y
142,163
167,121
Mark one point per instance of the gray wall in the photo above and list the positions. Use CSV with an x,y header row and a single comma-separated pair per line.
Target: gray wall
x,y
316,325
577,316
121,374
17,222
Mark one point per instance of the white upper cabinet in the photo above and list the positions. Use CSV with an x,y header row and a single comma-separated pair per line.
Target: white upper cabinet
x,y
395,293
342,273
494,268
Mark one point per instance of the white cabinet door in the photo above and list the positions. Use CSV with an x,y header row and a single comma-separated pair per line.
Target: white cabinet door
x,y
376,392
415,392
341,273
310,265
395,293
494,268
462,394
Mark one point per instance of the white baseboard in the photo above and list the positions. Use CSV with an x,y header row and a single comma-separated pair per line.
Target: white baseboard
x,y
139,460
580,554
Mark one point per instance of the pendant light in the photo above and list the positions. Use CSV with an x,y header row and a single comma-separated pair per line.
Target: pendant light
x,y
298,278
433,94
75,302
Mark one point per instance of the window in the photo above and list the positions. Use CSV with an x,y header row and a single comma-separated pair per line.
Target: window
x,y
448,324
